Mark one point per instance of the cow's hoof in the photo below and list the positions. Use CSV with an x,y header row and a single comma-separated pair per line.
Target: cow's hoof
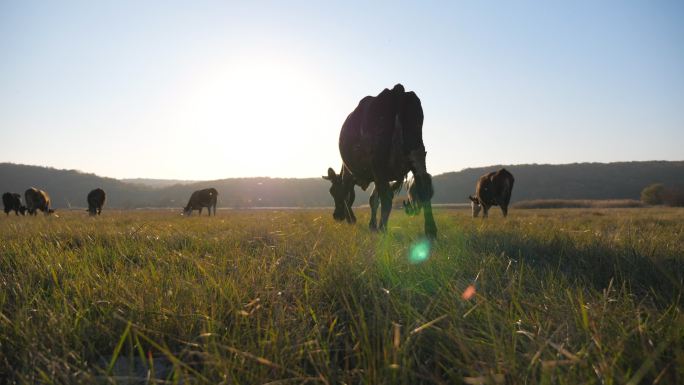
x,y
431,232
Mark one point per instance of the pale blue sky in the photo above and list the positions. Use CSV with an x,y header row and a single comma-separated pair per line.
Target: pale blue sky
x,y
206,90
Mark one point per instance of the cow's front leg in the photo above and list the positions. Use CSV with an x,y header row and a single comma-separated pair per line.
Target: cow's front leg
x,y
385,195
374,202
430,226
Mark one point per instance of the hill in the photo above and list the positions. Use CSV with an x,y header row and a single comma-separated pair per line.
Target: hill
x,y
157,183
622,180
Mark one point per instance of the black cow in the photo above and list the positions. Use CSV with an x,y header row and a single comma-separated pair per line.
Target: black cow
x,y
96,199
380,142
493,189
12,202
37,200
200,199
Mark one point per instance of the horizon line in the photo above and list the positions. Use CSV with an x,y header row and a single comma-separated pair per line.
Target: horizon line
x,y
189,181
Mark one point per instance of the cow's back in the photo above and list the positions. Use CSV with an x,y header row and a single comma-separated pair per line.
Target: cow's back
x,y
503,182
204,197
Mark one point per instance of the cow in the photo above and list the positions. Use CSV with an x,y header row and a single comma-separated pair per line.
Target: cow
x,y
413,205
96,199
380,142
12,202
200,199
492,189
37,200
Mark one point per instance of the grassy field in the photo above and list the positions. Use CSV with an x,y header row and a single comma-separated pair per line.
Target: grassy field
x,y
568,296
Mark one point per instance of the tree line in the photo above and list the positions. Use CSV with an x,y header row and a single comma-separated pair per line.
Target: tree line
x,y
621,180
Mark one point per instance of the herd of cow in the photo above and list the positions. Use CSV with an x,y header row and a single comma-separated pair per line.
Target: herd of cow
x,y
380,142
39,200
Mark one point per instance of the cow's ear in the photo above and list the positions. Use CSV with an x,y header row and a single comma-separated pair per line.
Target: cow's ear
x,y
331,174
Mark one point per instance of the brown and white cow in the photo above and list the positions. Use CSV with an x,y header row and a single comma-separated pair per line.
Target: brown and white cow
x,y
200,199
492,189
413,205
37,200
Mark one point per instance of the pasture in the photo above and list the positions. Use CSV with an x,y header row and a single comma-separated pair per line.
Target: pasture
x,y
565,296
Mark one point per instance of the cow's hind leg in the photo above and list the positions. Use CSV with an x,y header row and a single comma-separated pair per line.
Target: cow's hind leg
x,y
374,202
385,194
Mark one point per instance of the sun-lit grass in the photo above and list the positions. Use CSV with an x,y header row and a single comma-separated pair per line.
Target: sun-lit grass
x,y
560,297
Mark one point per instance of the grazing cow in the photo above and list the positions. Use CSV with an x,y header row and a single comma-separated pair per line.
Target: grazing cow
x,y
413,206
202,198
380,142
96,199
493,189
12,202
37,200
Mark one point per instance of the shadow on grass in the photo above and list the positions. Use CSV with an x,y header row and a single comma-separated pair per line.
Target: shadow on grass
x,y
656,273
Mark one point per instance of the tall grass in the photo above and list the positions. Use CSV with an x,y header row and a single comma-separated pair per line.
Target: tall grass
x,y
578,204
562,297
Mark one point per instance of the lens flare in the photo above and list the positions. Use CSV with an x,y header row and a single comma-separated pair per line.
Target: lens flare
x,y
468,293
419,251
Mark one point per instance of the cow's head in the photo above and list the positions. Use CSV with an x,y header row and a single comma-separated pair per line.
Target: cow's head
x,y
343,195
22,210
49,211
187,211
475,205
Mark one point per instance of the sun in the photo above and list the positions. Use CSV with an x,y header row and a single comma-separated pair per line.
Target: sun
x,y
268,115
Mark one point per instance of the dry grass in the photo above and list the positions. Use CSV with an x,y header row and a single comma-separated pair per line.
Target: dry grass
x,y
578,204
287,297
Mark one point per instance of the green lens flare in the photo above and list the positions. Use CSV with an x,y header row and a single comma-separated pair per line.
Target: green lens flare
x,y
419,251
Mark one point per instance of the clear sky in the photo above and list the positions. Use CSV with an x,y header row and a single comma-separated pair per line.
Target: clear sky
x,y
208,90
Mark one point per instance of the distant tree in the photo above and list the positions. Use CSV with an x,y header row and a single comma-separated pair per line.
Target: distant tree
x,y
653,194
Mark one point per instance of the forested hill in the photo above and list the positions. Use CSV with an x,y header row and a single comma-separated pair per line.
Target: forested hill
x,y
68,188
620,180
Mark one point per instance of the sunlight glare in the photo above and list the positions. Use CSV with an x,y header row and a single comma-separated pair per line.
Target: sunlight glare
x,y
259,109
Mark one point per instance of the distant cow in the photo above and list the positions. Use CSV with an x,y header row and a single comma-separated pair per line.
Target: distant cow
x,y
200,199
96,200
12,202
37,200
493,189
413,206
